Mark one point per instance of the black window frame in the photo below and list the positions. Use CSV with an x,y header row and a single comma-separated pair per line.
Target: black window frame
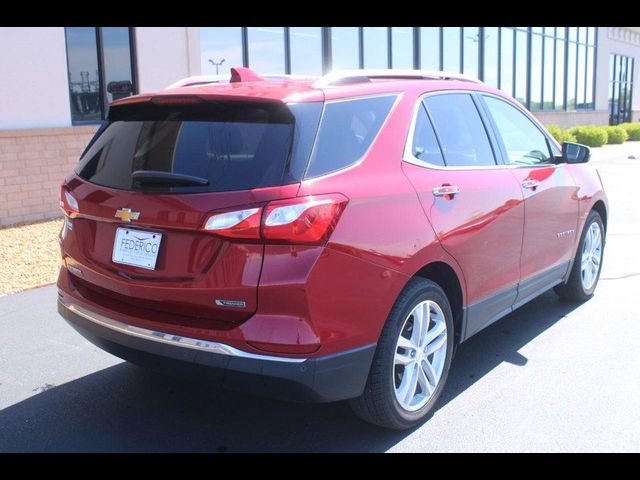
x,y
104,106
616,84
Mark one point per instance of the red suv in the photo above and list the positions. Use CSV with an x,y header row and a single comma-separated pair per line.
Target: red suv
x,y
322,239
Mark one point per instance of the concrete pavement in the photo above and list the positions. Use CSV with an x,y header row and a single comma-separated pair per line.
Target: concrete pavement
x,y
552,376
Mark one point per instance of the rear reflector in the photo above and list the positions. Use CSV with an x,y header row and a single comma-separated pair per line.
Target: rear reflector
x,y
282,348
302,220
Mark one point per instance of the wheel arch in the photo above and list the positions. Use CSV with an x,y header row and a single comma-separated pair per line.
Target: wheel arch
x,y
446,277
601,208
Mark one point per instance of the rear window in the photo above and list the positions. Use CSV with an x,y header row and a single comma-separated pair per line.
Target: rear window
x,y
226,146
347,130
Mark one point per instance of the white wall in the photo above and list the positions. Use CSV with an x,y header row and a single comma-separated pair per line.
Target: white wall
x,y
622,41
166,54
34,91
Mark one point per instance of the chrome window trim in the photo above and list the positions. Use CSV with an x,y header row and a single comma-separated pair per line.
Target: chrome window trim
x,y
169,338
408,147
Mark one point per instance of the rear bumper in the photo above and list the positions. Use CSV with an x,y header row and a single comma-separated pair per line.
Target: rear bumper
x,y
321,379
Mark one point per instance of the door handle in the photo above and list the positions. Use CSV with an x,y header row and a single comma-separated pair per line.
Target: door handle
x,y
530,184
447,191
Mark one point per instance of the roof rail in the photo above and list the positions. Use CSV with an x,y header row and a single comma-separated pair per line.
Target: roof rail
x,y
342,77
198,80
237,74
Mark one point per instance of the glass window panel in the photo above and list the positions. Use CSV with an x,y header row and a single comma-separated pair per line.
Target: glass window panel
x,y
592,35
582,34
524,142
590,73
305,45
266,49
491,56
347,130
460,131
559,103
402,47
451,49
470,51
344,48
117,62
521,67
539,30
550,31
218,44
425,145
561,32
506,60
375,47
548,67
573,34
571,77
82,64
582,65
536,72
430,48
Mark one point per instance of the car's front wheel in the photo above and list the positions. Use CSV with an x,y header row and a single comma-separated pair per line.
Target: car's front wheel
x,y
412,359
587,265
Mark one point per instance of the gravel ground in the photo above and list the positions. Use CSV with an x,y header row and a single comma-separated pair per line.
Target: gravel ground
x,y
29,255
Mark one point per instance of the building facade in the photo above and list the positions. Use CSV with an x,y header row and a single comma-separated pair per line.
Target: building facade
x,y
56,83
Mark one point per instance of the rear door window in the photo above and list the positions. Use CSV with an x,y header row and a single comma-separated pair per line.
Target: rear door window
x,y
460,130
347,130
230,146
425,145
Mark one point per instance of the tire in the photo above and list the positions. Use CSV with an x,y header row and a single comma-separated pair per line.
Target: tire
x,y
575,288
379,403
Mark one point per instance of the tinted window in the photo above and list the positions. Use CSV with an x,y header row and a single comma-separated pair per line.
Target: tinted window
x,y
425,145
460,130
346,132
524,142
233,146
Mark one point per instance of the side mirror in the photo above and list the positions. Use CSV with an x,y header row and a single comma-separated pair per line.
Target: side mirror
x,y
575,153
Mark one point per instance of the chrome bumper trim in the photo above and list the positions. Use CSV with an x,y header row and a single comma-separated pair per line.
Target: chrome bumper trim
x,y
170,339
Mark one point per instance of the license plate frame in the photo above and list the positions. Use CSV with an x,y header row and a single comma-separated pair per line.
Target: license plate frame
x,y
137,251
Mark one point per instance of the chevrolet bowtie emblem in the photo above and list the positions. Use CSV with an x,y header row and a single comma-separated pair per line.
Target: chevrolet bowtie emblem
x,y
126,215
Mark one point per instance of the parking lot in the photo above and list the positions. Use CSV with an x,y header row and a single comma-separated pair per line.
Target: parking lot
x,y
552,376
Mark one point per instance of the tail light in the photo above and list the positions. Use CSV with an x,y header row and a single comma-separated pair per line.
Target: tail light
x,y
68,203
236,224
303,220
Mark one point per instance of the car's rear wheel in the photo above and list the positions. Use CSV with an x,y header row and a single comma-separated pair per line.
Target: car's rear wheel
x,y
412,359
587,265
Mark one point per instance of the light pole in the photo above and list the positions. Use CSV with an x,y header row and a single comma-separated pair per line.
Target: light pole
x,y
217,65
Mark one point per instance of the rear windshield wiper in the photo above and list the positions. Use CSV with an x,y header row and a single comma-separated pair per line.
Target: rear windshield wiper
x,y
167,178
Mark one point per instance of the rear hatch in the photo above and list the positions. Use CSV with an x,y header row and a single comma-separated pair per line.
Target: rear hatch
x,y
147,183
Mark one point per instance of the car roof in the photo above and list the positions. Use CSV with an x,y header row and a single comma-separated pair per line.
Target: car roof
x,y
335,86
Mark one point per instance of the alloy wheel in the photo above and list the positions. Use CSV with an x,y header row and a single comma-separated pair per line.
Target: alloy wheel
x,y
420,355
591,256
